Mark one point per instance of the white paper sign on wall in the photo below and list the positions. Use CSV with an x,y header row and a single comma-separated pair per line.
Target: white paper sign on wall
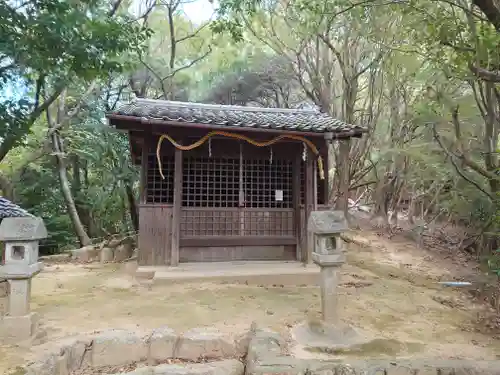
x,y
278,195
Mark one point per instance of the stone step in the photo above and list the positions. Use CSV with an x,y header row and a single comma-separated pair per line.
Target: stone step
x,y
252,273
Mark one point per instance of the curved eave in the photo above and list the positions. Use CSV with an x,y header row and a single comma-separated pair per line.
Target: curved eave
x,y
118,120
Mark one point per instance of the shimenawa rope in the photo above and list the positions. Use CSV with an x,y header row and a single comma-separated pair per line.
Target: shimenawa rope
x,y
237,136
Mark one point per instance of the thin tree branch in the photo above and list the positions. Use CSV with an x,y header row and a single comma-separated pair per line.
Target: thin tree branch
x,y
452,157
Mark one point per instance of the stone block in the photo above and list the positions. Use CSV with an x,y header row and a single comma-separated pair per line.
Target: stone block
x,y
328,260
77,352
140,371
265,343
162,344
47,366
403,367
62,364
14,329
204,343
226,367
106,255
20,271
26,228
325,368
56,258
21,253
4,288
114,243
123,252
4,293
143,273
85,254
118,347
130,267
4,305
19,299
287,366
327,222
242,343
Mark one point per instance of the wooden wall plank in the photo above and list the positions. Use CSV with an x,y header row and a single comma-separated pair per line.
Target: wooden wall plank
x,y
296,205
237,253
155,228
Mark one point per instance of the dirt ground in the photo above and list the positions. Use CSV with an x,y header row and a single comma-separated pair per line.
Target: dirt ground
x,y
389,290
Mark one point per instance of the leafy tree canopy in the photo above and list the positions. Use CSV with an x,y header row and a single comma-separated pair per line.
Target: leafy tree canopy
x,y
45,44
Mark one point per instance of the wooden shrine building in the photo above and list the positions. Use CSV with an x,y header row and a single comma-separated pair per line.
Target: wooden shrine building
x,y
227,183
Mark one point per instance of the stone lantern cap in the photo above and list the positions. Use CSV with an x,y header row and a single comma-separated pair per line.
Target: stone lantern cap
x,y
22,229
327,223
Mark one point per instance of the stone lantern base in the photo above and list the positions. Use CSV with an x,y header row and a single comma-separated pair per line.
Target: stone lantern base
x,y
18,323
15,329
327,338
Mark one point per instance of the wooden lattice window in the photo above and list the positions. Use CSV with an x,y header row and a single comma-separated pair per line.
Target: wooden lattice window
x,y
219,182
210,182
268,184
213,222
159,190
269,223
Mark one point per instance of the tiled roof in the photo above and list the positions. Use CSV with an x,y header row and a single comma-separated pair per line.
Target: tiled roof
x,y
300,120
9,209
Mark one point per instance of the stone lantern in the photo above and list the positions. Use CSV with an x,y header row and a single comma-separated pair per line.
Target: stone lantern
x,y
327,334
20,263
328,254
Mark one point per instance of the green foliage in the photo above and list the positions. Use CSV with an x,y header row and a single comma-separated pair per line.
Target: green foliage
x,y
493,263
34,35
493,260
46,44
38,191
105,153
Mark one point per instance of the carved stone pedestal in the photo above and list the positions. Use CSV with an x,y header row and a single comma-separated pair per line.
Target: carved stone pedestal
x,y
14,329
329,281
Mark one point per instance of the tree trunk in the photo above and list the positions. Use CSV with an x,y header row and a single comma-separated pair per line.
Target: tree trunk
x,y
82,209
342,203
63,172
381,200
132,204
68,196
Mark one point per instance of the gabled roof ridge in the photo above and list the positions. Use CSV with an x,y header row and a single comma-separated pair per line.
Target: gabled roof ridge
x,y
225,107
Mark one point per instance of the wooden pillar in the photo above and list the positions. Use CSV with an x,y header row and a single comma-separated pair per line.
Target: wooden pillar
x,y
296,204
326,171
241,194
176,212
144,171
344,176
310,202
143,255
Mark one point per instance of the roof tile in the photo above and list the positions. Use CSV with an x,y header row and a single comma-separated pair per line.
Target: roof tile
x,y
237,116
9,209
